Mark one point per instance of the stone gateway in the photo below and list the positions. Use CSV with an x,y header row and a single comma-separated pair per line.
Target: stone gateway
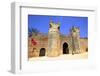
x,y
55,44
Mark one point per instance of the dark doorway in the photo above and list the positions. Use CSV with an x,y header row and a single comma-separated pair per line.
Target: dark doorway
x,y
86,49
42,52
65,48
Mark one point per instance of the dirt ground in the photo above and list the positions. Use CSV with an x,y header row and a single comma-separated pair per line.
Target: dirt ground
x,y
61,57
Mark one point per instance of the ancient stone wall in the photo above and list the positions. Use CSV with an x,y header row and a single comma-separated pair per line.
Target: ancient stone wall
x,y
83,45
54,44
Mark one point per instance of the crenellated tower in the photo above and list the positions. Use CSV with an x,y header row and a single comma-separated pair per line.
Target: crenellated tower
x,y
75,34
53,39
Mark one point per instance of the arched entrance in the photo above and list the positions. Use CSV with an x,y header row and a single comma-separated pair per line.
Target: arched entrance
x,y
65,48
42,52
86,49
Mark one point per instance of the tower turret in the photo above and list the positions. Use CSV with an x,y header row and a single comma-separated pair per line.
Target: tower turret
x,y
53,39
75,34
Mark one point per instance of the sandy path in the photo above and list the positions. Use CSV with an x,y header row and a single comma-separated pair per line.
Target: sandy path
x,y
61,57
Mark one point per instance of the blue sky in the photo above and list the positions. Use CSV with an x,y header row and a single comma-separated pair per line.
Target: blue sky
x,y
41,23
